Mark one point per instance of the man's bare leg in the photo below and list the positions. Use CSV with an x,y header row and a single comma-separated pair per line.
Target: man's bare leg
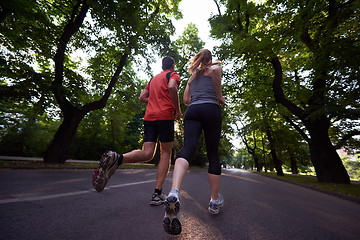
x,y
144,155
164,163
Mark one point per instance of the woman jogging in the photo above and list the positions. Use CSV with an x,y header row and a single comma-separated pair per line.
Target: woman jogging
x,y
204,96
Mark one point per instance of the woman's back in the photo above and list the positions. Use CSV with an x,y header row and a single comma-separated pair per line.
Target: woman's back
x,y
202,90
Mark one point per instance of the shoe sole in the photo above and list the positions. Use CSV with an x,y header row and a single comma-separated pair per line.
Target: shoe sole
x,y
213,211
171,222
102,174
156,203
98,179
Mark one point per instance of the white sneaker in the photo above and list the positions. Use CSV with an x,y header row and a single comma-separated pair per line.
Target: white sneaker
x,y
107,167
171,222
157,200
215,205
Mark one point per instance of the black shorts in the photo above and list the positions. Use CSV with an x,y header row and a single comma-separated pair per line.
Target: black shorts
x,y
162,130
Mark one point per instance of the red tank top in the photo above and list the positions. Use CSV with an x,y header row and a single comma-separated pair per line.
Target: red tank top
x,y
160,106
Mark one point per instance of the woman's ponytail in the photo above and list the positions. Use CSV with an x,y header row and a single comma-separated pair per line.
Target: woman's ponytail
x,y
200,61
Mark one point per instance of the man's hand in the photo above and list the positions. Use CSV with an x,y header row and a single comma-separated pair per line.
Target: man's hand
x,y
144,96
178,114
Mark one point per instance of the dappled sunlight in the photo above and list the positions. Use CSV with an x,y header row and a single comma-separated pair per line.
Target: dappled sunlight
x,y
256,231
242,178
185,195
195,228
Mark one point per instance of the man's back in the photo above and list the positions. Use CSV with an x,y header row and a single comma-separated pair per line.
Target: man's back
x,y
160,106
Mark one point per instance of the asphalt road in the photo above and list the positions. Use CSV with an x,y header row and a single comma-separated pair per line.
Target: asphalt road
x,y
61,204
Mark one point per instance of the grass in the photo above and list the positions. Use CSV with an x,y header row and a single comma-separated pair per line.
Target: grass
x,y
351,190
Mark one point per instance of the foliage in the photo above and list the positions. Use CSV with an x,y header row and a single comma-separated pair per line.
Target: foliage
x,y
352,164
298,53
316,43
72,49
91,56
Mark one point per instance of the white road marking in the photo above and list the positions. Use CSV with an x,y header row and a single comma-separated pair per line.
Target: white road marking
x,y
38,198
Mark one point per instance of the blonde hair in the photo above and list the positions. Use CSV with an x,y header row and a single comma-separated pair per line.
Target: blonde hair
x,y
201,61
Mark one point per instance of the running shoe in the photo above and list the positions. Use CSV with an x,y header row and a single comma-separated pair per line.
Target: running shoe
x,y
107,167
215,205
171,222
157,200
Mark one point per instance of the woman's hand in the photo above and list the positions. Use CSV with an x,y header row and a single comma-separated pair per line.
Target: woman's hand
x,y
222,101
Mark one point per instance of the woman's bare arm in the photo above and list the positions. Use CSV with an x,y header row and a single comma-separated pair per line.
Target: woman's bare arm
x,y
216,74
187,96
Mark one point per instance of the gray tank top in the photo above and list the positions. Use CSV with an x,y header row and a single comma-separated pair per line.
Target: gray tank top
x,y
202,90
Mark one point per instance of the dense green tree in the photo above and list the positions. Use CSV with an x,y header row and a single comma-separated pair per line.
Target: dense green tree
x,y
118,126
311,52
241,159
40,38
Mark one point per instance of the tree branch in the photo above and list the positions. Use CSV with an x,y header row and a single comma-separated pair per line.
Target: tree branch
x,y
345,138
306,39
102,102
297,128
218,7
69,30
4,13
279,92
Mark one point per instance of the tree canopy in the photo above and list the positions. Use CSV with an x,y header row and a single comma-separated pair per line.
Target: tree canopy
x,y
39,61
304,56
69,78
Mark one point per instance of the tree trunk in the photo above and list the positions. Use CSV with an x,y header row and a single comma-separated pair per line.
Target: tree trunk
x,y
257,163
264,156
271,166
252,152
4,13
293,164
327,163
276,160
60,146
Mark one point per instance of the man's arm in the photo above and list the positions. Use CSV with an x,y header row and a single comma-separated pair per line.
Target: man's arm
x,y
144,96
173,90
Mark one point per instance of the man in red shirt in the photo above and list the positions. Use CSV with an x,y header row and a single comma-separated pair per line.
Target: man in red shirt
x,y
161,96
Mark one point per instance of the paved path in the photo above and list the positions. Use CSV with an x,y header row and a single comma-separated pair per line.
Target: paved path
x,y
12,158
61,204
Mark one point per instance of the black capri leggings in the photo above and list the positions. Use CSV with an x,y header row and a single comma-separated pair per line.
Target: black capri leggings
x,y
205,117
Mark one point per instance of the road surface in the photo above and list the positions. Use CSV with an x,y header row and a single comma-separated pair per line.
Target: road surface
x,y
61,204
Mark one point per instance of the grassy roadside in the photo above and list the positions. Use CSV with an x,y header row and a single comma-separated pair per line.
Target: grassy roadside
x,y
349,191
